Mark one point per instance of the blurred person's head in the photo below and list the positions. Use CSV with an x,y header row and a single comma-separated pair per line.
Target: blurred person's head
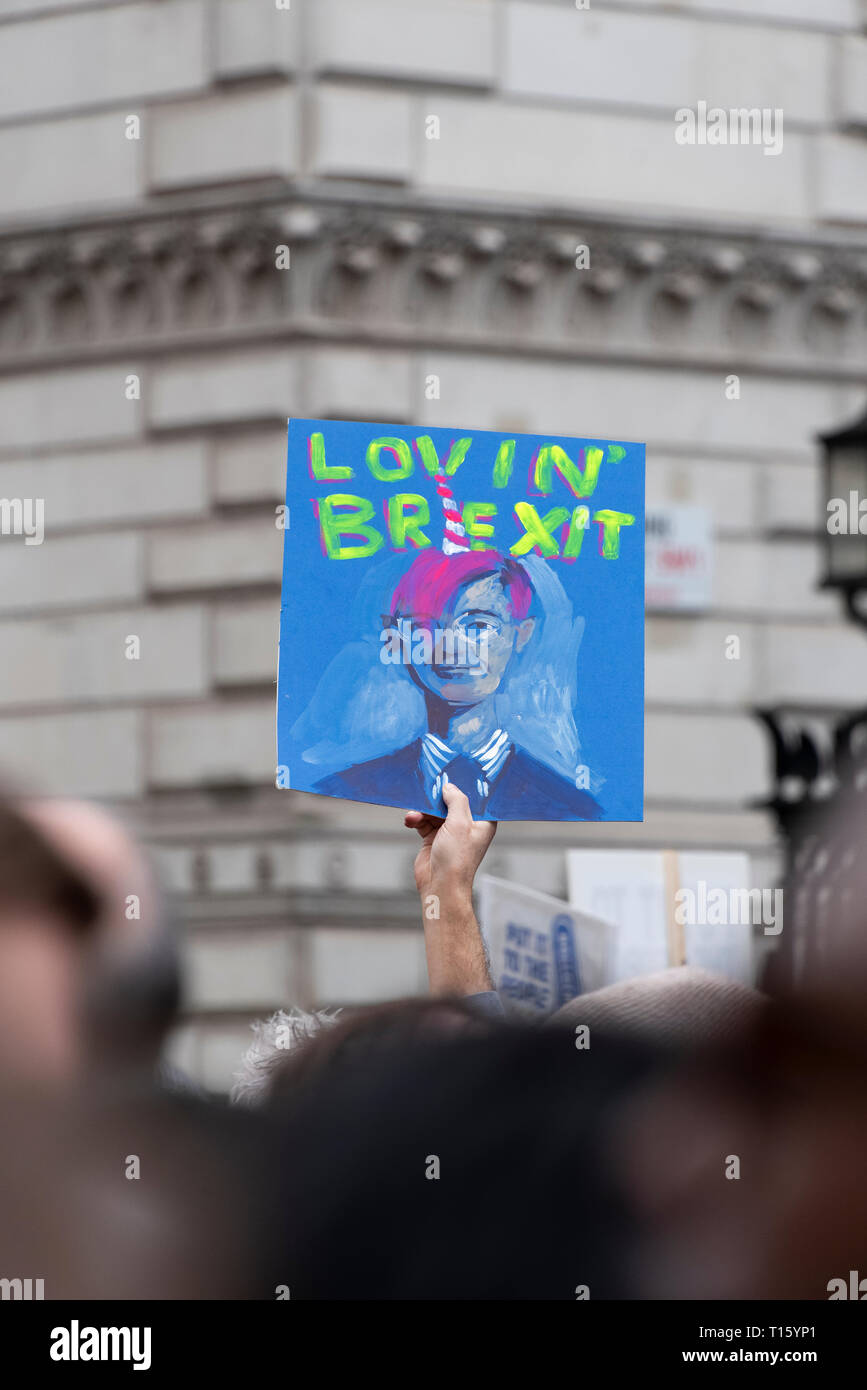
x,y
681,1006
131,1192
88,961
49,911
749,1164
750,1167
132,985
460,1165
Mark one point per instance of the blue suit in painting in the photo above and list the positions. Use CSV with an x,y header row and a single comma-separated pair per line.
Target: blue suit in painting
x,y
409,778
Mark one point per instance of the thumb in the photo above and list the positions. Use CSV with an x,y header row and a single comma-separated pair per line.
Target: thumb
x,y
457,803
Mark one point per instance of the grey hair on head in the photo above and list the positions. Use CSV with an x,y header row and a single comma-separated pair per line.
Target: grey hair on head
x,y
272,1039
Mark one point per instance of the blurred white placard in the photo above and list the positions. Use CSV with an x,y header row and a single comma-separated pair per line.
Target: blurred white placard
x,y
543,953
669,909
678,563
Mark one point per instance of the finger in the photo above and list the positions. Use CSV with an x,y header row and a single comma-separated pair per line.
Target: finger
x,y
458,804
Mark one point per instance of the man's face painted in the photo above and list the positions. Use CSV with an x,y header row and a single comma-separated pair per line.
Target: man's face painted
x,y
471,644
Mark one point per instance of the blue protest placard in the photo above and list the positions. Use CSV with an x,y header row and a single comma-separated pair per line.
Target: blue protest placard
x,y
465,606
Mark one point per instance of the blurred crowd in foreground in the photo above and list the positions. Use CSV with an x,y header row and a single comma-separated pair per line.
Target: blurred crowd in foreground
x,y
675,1137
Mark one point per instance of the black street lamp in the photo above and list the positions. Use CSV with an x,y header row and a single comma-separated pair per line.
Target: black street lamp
x,y
845,475
820,774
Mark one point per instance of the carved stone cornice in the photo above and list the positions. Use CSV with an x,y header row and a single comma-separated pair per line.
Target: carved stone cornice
x,y
442,277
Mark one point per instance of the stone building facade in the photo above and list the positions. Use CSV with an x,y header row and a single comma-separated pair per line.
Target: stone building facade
x,y
431,166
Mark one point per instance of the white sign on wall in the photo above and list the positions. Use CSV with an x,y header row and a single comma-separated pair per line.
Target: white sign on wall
x,y
672,909
678,559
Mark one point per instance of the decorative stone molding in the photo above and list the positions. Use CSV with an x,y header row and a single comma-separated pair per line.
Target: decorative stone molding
x,y
432,276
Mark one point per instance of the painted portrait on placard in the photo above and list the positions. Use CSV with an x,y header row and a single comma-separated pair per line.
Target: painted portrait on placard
x,y
459,606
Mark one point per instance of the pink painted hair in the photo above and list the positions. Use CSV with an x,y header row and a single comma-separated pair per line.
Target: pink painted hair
x,y
433,579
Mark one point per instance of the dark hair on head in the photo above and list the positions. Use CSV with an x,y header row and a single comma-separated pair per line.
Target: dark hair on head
x,y
369,1034
530,1202
34,876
